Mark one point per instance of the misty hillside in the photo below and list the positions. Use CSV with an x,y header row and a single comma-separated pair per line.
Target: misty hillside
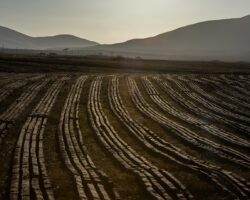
x,y
15,40
206,40
226,40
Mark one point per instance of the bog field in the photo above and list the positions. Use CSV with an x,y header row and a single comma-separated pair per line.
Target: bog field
x,y
96,129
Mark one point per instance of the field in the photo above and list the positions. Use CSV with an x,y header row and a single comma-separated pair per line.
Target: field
x,y
101,128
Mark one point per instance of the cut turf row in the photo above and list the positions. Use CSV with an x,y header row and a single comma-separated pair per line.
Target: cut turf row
x,y
29,179
11,114
88,179
187,100
209,128
15,83
159,183
184,133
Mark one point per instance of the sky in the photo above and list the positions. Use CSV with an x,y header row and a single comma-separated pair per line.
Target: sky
x,y
112,21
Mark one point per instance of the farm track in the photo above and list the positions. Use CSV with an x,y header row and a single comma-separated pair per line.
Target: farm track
x,y
102,145
29,178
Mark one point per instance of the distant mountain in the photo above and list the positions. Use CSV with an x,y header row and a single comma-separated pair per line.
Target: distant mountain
x,y
219,39
15,40
227,40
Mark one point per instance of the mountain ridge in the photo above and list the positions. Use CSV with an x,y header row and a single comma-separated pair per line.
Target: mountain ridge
x,y
10,38
182,27
223,39
214,39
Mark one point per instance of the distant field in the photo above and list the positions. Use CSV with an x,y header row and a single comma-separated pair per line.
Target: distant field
x,y
115,128
102,64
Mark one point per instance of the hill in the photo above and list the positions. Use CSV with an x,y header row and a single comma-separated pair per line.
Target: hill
x,y
14,40
225,40
220,39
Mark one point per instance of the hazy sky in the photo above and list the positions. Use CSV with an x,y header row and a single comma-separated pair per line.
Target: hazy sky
x,y
109,21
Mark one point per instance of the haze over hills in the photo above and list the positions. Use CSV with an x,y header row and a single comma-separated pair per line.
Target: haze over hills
x,y
226,40
220,39
15,40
